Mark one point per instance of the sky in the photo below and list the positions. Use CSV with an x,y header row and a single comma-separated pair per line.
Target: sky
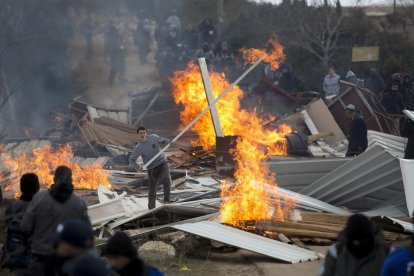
x,y
343,2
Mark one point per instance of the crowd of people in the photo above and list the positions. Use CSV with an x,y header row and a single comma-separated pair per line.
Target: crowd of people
x,y
49,233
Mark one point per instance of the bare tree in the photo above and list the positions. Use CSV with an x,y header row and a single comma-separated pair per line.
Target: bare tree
x,y
315,29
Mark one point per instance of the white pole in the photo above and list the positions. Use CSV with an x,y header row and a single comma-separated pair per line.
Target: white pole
x,y
210,97
204,111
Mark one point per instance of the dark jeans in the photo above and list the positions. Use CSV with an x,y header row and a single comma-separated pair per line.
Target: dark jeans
x,y
156,176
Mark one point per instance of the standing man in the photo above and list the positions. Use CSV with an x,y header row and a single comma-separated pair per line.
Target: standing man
x,y
331,84
158,172
357,138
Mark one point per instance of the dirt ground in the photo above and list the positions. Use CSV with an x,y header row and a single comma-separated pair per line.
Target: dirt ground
x,y
242,262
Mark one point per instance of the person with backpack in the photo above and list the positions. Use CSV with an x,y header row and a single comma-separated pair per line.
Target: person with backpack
x,y
47,209
400,261
16,250
360,250
123,258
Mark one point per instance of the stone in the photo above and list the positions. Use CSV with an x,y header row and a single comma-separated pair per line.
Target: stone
x,y
156,251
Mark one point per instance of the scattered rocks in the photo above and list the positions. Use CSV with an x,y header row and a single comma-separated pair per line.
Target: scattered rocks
x,y
156,250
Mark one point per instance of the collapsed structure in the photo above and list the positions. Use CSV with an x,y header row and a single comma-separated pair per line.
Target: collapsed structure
x,y
317,187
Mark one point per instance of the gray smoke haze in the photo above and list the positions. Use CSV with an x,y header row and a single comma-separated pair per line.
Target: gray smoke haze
x,y
44,60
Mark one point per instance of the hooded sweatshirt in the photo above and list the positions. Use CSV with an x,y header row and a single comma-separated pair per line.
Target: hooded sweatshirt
x,y
339,260
48,209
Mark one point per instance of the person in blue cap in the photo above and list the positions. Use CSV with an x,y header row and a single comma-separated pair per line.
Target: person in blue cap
x,y
72,239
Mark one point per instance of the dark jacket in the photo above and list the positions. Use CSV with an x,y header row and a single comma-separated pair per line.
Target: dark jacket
x,y
46,211
357,139
375,83
408,93
340,262
393,102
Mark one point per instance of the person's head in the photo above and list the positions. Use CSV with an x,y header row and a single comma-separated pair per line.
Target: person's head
x,y
359,234
350,110
331,70
73,238
120,251
406,79
394,87
373,72
142,134
63,174
29,186
205,47
396,77
207,22
89,264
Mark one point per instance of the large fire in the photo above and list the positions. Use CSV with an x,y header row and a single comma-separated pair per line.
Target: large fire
x,y
248,199
44,161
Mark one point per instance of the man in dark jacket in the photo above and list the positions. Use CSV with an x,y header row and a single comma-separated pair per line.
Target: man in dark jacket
x,y
375,83
16,250
393,100
357,138
48,209
408,93
123,257
360,250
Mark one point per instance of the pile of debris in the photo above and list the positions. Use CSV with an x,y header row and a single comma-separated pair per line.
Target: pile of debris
x,y
325,186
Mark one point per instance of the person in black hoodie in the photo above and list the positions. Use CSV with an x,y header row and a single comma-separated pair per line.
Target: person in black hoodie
x,y
357,138
48,209
123,257
16,251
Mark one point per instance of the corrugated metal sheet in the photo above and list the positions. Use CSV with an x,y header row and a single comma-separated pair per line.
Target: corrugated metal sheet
x,y
392,142
408,226
25,147
407,171
297,174
232,236
95,113
306,201
362,183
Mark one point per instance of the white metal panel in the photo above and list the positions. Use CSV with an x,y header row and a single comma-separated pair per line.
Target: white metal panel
x,y
106,211
407,171
93,113
408,226
393,142
362,183
235,237
297,174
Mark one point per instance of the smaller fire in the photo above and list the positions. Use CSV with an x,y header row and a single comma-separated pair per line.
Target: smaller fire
x,y
274,56
43,162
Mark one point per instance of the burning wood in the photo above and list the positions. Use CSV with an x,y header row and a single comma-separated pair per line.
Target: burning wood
x,y
248,200
44,161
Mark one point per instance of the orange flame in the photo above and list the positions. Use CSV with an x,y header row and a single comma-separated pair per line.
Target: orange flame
x,y
248,200
44,161
274,57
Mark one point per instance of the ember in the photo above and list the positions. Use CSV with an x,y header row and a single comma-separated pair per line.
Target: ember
x,y
43,163
248,200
